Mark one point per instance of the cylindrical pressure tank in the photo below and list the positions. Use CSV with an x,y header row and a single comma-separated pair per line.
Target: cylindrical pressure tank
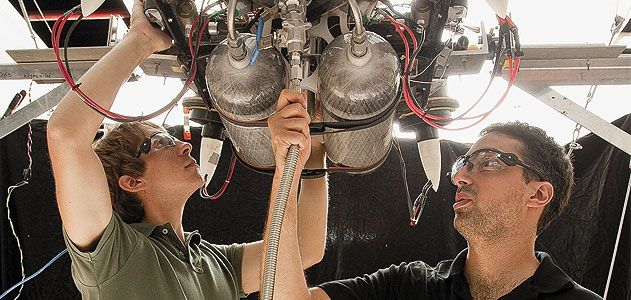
x,y
245,96
355,89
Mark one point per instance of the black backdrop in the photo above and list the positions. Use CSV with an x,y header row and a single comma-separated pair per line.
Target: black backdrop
x,y
368,222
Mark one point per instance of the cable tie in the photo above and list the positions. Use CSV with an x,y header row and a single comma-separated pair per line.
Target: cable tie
x,y
26,174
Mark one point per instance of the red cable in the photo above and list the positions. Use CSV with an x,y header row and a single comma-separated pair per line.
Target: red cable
x,y
512,77
227,181
422,114
56,36
408,99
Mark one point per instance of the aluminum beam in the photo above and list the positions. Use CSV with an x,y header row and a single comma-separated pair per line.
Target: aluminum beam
x,y
42,62
580,115
41,72
32,110
600,71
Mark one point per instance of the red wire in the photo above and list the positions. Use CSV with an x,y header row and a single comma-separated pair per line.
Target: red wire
x,y
422,114
408,99
409,31
56,36
483,116
227,181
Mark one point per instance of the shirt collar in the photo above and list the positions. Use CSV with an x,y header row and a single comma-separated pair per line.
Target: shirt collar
x,y
147,229
548,277
457,265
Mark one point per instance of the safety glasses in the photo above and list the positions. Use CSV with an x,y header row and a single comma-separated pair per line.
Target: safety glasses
x,y
156,142
490,160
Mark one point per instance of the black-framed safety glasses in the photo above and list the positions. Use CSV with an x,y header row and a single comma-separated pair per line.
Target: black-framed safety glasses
x,y
487,159
156,142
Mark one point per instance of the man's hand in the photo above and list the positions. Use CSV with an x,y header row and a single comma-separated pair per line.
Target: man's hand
x,y
155,39
290,126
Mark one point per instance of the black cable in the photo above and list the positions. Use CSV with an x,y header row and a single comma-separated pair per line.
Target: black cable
x,y
308,173
94,106
349,125
252,21
67,41
398,14
361,124
404,176
167,115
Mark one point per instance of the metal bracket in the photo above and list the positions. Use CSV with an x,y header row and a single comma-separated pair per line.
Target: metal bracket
x,y
41,73
462,62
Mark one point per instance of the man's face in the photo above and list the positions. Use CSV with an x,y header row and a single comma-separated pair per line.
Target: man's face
x,y
169,164
490,202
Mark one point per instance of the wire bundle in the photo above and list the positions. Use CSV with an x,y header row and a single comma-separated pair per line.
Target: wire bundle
x,y
64,69
434,120
203,190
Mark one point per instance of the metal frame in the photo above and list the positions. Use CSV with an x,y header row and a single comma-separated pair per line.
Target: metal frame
x,y
542,66
549,65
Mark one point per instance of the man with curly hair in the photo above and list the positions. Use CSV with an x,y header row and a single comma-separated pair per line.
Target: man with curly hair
x,y
121,200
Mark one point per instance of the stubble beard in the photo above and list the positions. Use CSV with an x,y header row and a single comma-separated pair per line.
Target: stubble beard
x,y
490,224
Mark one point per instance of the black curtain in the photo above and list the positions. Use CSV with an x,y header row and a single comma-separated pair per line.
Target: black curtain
x,y
368,219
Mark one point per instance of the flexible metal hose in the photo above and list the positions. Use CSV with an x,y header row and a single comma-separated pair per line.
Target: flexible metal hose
x,y
276,224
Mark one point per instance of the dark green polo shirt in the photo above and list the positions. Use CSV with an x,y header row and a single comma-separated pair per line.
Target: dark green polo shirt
x,y
148,261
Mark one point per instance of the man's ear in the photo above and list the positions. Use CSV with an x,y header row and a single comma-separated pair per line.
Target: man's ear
x,y
541,194
131,184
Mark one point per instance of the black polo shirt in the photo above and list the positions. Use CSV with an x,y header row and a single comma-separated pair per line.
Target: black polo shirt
x,y
417,280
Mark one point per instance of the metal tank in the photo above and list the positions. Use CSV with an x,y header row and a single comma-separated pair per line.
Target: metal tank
x,y
354,89
244,93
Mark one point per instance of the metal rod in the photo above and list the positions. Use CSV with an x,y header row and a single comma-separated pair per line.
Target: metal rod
x,y
232,7
28,22
615,248
276,224
357,15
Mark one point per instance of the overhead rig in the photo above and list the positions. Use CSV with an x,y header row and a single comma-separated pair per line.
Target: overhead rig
x,y
236,57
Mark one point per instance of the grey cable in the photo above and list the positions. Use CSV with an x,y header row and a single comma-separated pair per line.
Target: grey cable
x,y
615,247
17,240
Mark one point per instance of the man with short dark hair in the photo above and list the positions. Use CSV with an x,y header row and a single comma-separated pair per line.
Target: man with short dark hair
x,y
510,185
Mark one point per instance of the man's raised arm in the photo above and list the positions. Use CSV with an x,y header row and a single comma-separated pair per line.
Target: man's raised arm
x,y
289,126
81,186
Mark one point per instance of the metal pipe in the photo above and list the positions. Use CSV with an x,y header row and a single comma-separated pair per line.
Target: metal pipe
x,y
615,248
232,7
296,21
357,15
